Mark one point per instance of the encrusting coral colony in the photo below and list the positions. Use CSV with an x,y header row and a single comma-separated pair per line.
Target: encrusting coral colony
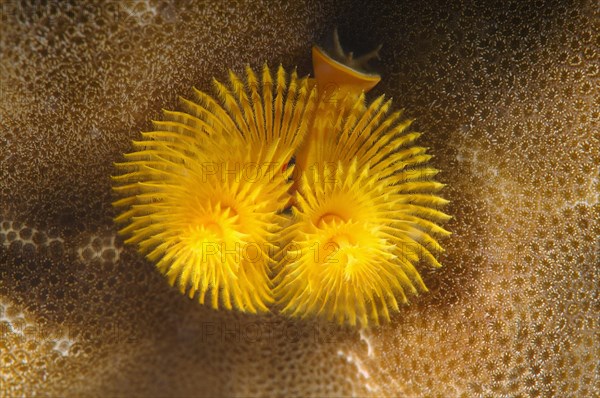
x,y
507,95
207,195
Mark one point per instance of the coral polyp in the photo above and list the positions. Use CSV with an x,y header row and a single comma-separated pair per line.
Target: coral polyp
x,y
202,193
291,194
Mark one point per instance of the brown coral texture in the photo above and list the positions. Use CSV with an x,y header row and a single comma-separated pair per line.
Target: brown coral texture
x,y
507,95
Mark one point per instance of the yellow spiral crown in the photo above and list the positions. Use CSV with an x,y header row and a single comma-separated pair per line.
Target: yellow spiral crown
x,y
206,196
202,194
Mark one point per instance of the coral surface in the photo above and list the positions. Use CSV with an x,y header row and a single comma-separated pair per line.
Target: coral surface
x,y
507,95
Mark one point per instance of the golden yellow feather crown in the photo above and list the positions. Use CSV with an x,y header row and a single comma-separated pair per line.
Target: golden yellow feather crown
x,y
286,193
